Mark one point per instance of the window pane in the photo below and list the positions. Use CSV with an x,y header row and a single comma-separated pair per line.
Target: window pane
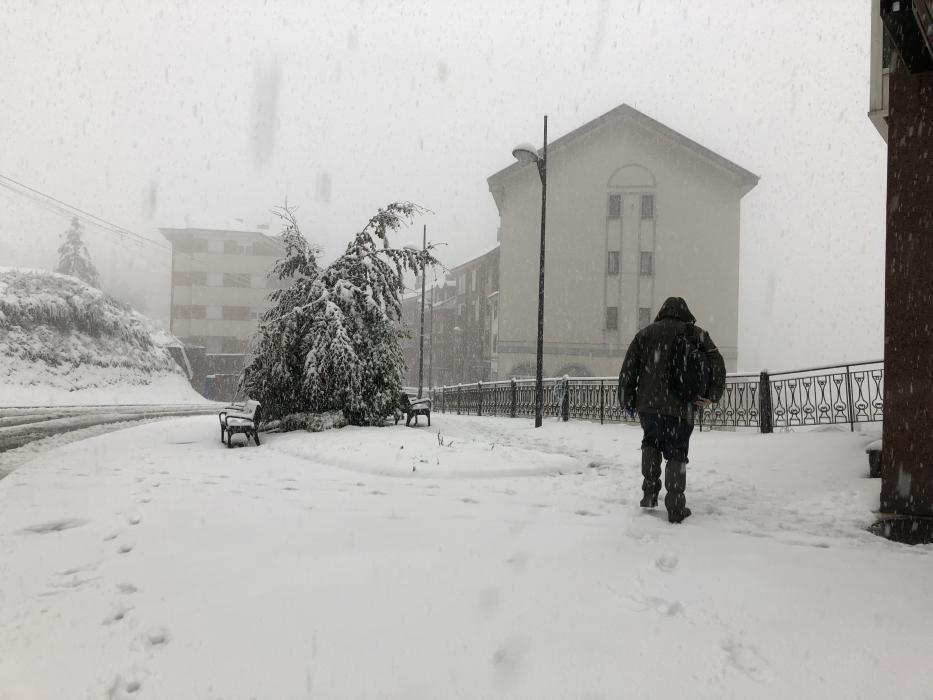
x,y
612,318
646,265
644,317
236,313
613,263
647,206
615,206
235,279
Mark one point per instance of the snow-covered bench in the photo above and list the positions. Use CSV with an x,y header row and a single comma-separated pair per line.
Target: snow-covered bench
x,y
413,409
240,418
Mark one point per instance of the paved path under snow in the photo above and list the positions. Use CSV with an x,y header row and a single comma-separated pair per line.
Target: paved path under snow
x,y
476,559
20,426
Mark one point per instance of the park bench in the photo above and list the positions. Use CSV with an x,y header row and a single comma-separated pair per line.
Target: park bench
x,y
240,418
413,409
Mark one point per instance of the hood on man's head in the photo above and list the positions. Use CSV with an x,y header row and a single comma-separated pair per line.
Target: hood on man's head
x,y
675,308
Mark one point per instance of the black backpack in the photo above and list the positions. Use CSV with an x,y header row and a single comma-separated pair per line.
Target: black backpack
x,y
690,367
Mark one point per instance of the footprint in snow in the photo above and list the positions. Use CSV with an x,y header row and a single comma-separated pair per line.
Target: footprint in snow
x,y
134,520
123,690
745,658
519,560
124,549
668,608
469,500
586,513
507,660
126,588
116,617
667,562
53,526
157,638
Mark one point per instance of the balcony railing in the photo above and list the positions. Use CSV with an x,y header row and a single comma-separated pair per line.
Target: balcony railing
x,y
829,395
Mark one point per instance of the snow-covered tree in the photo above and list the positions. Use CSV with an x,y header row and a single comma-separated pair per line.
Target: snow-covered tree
x,y
73,258
331,339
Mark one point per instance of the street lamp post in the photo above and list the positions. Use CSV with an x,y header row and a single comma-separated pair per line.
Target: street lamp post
x,y
424,248
526,153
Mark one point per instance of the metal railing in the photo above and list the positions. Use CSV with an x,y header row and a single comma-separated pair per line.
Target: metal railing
x,y
827,395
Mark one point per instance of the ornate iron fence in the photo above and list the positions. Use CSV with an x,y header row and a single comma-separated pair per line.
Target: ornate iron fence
x,y
817,396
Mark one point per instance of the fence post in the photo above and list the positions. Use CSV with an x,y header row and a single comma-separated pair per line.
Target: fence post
x,y
479,400
513,399
850,401
565,399
602,401
459,393
766,418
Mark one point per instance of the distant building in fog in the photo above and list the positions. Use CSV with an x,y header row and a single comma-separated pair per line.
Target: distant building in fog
x,y
219,286
459,323
636,212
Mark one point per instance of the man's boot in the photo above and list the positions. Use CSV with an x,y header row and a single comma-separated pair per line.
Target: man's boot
x,y
651,471
675,481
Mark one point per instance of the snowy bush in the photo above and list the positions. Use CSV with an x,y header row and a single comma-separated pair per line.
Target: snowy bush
x,y
331,339
52,324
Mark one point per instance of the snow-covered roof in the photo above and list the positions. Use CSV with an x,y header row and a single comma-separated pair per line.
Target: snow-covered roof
x,y
746,178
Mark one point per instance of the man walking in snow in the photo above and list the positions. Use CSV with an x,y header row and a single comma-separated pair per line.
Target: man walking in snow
x,y
654,382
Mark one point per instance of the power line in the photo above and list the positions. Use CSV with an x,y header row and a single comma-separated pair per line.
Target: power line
x,y
87,216
107,226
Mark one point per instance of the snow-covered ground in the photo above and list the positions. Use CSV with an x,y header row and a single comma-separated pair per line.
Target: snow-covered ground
x,y
479,558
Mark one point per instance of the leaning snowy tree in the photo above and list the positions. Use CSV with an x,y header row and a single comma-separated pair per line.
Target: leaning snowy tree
x,y
73,258
332,339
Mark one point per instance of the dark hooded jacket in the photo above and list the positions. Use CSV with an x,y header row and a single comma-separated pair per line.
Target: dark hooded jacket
x,y
644,382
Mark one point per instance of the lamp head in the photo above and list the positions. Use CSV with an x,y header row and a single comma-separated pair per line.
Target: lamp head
x,y
525,153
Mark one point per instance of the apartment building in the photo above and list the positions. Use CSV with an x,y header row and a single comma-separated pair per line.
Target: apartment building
x,y
636,212
220,285
459,327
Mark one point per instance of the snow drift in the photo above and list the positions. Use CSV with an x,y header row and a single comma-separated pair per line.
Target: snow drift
x,y
65,342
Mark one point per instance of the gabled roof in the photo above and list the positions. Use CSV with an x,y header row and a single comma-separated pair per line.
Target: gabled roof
x,y
746,178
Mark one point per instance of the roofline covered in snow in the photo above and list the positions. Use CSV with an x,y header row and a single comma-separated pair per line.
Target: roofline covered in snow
x,y
746,178
174,234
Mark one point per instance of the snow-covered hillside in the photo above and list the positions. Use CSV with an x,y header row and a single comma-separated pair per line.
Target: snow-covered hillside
x,y
64,342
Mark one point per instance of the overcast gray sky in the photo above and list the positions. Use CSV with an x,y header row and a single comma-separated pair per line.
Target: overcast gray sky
x,y
173,114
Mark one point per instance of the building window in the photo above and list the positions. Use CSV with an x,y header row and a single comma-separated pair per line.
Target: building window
x,y
615,206
215,245
236,313
234,279
255,315
644,317
187,279
473,281
215,279
647,206
495,342
612,318
191,245
613,263
232,344
646,264
194,311
230,247
213,313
